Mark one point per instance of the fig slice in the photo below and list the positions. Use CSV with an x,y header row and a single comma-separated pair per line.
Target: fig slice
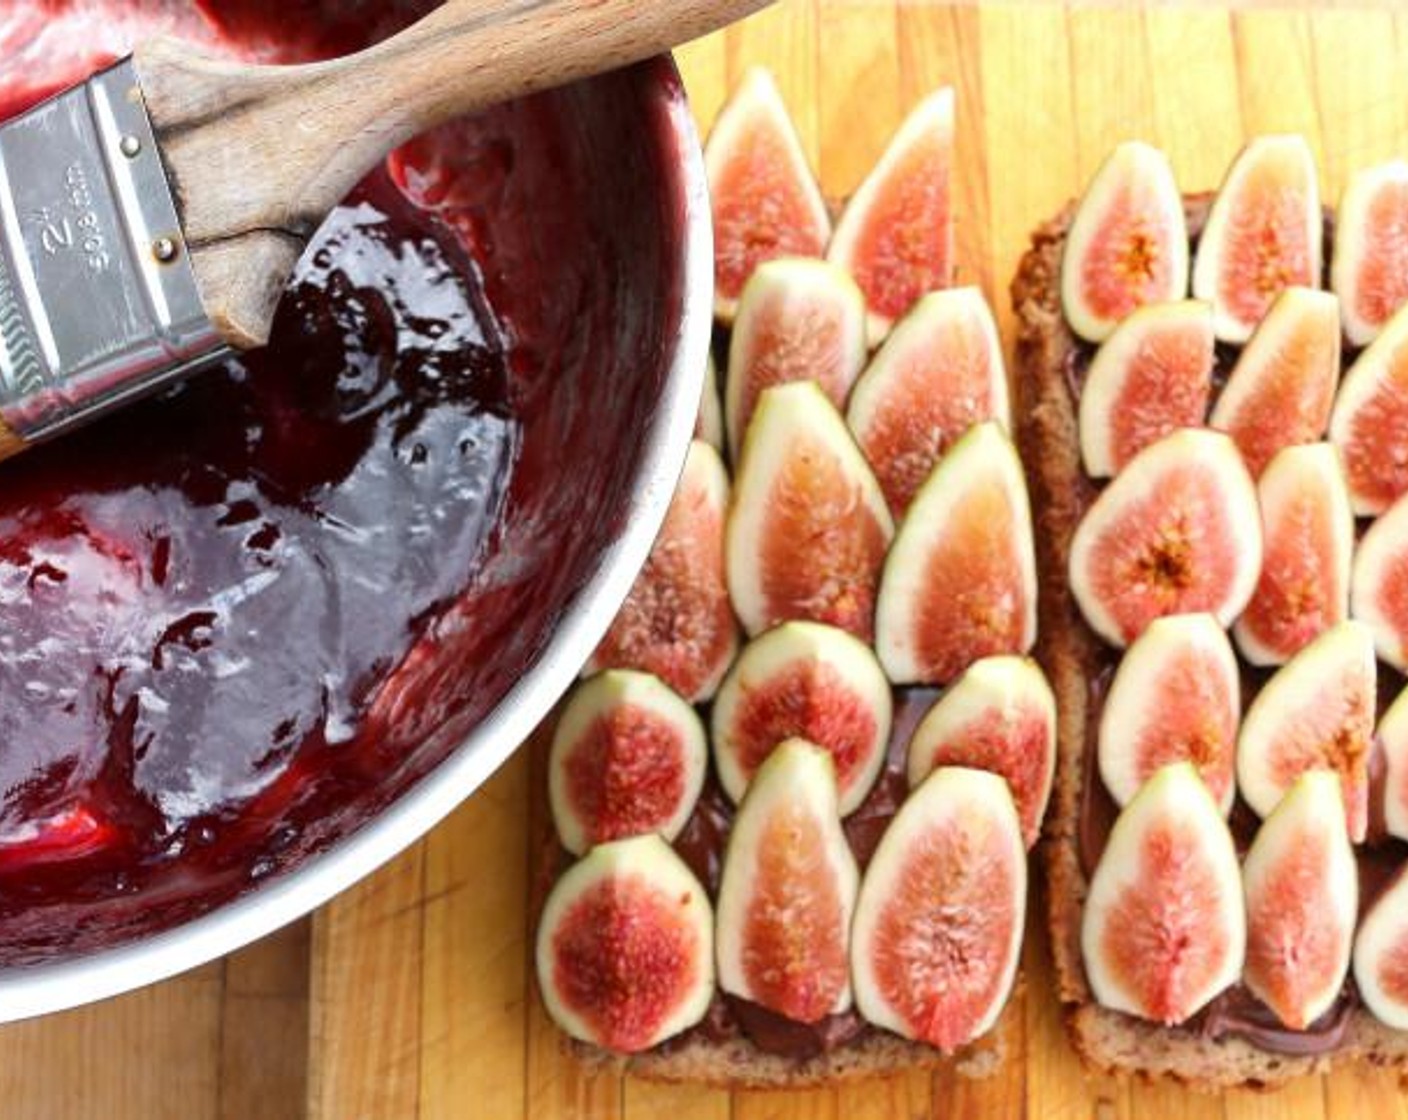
x,y
676,622
1307,531
1127,244
797,320
808,529
1302,895
1381,955
625,947
628,757
1282,388
1164,928
1176,532
803,680
1316,712
765,200
1369,423
939,372
938,926
1378,584
896,233
1262,235
1392,740
1152,376
788,890
1175,697
999,716
709,424
1369,269
960,581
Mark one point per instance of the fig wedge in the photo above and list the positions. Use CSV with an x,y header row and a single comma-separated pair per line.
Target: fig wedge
x,y
896,233
1302,891
1381,955
1307,530
1152,376
625,947
1316,712
1175,697
1392,739
1369,423
938,926
764,197
808,530
803,679
1262,235
628,758
709,424
797,320
1378,584
676,622
1282,388
1164,929
1128,242
960,581
939,372
999,716
788,890
1176,532
1369,269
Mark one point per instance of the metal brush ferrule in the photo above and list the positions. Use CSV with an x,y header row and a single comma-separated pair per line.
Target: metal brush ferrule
x,y
98,302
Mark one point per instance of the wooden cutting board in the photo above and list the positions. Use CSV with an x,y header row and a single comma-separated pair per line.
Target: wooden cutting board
x,y
413,1001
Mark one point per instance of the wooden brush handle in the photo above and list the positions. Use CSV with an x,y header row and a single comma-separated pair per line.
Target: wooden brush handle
x,y
259,155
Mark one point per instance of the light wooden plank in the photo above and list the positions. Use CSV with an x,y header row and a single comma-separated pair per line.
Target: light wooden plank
x,y
647,1101
1302,1098
1274,71
473,1024
1165,1100
803,1104
704,68
264,1028
1110,88
154,1053
1358,1092
1197,113
783,38
858,105
366,996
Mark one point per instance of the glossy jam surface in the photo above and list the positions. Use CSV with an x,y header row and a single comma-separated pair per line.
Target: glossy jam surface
x,y
237,620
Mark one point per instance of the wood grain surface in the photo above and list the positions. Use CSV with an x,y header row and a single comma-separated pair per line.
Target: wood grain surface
x,y
410,998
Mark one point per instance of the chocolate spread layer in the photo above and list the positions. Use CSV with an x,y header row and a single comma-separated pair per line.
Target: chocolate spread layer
x,y
1236,1012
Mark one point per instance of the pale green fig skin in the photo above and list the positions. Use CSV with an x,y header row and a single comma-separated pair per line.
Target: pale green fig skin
x,y
648,860
596,698
950,794
1312,471
785,416
1380,944
1129,711
1392,737
774,652
1382,551
1291,152
755,103
1100,396
797,776
1186,449
1176,793
984,455
933,116
1283,708
709,425
1355,239
1132,167
1310,812
1005,688
790,302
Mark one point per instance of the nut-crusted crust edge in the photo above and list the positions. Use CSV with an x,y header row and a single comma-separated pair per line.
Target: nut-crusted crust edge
x,y
1048,436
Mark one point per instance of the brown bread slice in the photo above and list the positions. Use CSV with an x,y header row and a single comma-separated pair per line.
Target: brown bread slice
x,y
1047,434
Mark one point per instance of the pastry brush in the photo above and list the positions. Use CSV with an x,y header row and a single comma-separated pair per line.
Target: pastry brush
x,y
150,217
